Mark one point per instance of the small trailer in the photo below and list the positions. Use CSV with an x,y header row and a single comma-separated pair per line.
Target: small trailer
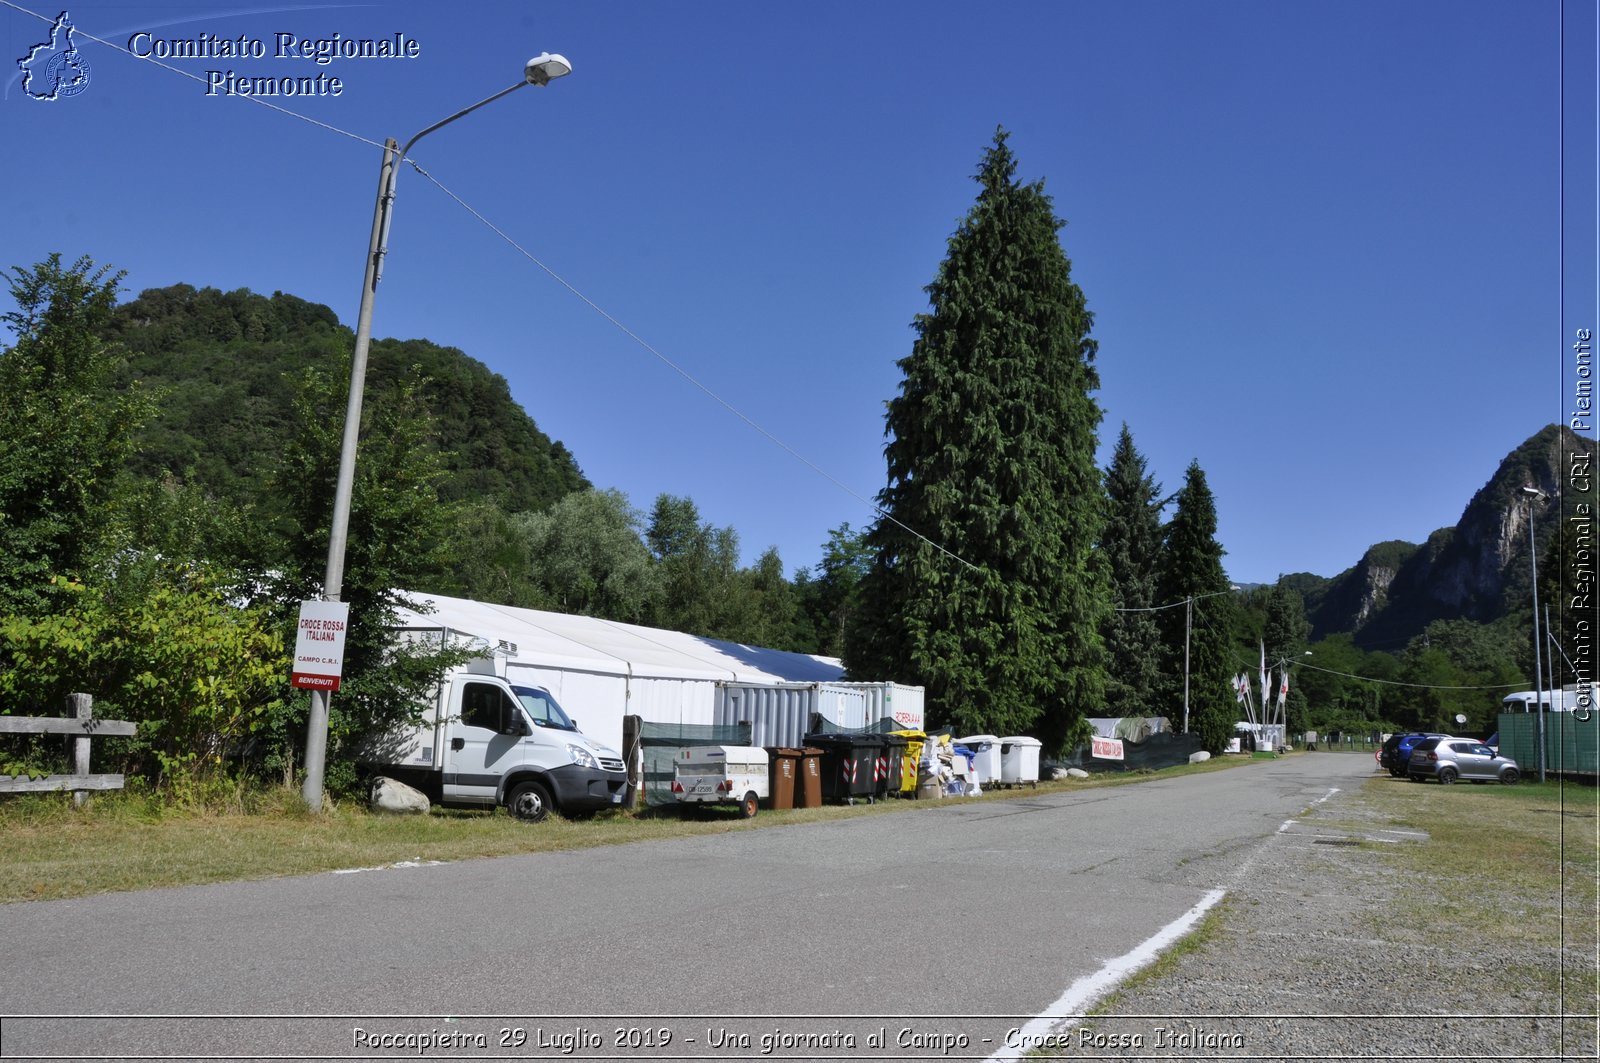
x,y
721,775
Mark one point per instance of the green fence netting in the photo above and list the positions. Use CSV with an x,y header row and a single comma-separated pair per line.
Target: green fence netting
x,y
1163,750
660,742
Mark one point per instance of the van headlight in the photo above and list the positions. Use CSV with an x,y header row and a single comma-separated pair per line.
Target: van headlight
x,y
582,757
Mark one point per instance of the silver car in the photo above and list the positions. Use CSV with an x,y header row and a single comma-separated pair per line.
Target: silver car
x,y
1449,759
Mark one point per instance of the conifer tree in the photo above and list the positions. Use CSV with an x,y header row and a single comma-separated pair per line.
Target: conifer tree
x,y
1130,548
1191,568
997,611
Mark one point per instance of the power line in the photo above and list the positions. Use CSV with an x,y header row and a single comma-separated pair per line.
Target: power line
x,y
676,368
1172,605
79,31
1397,683
624,329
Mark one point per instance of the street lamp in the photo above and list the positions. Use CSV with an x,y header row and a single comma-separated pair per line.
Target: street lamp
x,y
1538,669
540,70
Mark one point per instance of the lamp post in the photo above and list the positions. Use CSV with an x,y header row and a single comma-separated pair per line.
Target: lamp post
x,y
1538,669
540,70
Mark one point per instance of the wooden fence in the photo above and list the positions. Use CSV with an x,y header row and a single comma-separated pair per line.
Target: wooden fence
x,y
82,726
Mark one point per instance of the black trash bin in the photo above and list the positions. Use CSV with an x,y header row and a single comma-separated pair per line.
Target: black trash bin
x,y
893,759
850,765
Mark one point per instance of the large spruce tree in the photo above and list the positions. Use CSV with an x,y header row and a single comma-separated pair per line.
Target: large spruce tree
x,y
1130,548
982,587
1191,570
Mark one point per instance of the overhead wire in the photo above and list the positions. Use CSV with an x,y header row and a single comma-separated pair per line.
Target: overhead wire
x,y
684,373
1390,682
152,60
558,278
654,351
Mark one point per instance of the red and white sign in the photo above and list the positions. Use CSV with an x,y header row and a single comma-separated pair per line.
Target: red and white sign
x,y
319,645
1105,748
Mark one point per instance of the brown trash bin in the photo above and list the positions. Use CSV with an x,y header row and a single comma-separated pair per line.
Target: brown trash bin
x,y
783,766
808,788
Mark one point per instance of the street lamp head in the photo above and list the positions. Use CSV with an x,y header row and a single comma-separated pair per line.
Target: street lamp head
x,y
545,68
1533,491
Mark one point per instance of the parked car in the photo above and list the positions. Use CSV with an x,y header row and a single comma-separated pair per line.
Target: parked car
x,y
1395,754
1449,759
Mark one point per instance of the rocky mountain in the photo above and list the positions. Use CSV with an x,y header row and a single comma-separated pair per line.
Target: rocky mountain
x,y
1477,570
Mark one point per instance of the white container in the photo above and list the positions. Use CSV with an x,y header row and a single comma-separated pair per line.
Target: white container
x,y
893,701
1019,760
985,756
721,775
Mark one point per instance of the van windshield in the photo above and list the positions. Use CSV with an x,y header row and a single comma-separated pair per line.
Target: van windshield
x,y
542,708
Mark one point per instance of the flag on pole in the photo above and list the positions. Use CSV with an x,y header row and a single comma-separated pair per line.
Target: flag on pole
x,y
1283,685
1266,691
1239,687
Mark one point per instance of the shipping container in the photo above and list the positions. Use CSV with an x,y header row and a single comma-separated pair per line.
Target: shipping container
x,y
780,714
893,701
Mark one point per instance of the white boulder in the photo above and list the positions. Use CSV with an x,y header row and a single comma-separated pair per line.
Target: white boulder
x,y
390,795
1199,758
1077,773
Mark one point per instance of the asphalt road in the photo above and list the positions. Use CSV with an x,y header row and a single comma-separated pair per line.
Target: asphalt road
x,y
941,929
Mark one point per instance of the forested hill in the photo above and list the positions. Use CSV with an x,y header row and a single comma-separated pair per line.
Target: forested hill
x,y
224,367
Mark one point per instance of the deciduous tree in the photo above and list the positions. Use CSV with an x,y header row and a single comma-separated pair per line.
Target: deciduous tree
x,y
65,431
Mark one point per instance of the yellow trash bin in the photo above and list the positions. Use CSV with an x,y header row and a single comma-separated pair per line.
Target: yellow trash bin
x,y
910,759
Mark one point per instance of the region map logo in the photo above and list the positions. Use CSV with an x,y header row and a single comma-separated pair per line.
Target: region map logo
x,y
55,69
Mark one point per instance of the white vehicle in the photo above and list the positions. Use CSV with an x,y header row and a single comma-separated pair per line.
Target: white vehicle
x,y
721,774
486,741
1578,699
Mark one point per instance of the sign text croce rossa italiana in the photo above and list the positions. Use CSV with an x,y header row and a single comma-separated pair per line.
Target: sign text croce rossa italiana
x,y
319,645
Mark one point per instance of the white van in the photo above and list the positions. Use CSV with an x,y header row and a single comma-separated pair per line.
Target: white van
x,y
486,741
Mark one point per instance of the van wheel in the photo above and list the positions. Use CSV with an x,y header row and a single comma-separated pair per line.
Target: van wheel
x,y
749,806
529,802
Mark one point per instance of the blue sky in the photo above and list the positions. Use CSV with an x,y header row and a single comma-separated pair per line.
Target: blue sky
x,y
1323,242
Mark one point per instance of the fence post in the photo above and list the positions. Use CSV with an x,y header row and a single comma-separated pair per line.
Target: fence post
x,y
632,758
82,706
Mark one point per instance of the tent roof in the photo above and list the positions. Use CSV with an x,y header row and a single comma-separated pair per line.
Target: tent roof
x,y
586,643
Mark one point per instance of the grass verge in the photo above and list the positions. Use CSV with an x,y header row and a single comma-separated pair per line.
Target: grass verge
x,y
136,840
1492,890
1519,864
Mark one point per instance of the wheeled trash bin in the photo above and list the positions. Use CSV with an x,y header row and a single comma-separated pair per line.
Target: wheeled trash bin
x,y
1019,760
849,765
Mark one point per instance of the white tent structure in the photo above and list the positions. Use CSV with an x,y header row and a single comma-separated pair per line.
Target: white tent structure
x,y
601,671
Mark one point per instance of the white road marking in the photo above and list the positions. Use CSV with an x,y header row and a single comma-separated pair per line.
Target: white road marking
x,y
1091,987
385,867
